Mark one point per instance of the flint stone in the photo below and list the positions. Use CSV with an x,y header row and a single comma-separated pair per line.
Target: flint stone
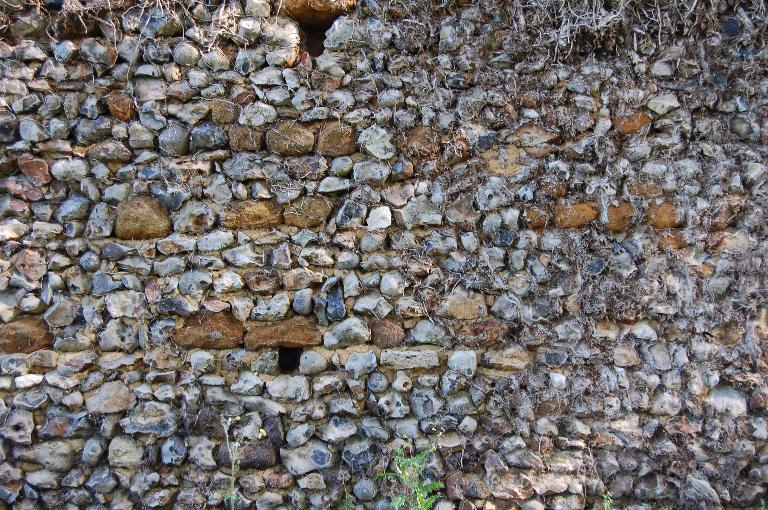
x,y
289,388
125,303
70,169
404,360
348,332
377,142
156,418
125,452
727,400
312,456
111,397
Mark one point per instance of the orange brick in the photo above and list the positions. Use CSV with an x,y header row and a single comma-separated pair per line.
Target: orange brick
x,y
552,189
663,215
536,217
644,189
576,215
629,124
619,217
673,240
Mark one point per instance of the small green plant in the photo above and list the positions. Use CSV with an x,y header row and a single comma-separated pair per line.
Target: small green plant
x,y
762,504
417,493
347,502
232,495
608,501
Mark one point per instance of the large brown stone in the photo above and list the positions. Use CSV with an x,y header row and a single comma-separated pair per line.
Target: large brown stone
x,y
663,215
36,169
252,214
421,142
386,333
224,111
336,139
27,334
142,217
244,138
619,217
536,217
316,12
576,215
290,139
220,330
629,124
121,105
308,212
262,281
294,332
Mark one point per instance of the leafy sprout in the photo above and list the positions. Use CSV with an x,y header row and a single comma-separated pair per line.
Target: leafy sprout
x,y
416,493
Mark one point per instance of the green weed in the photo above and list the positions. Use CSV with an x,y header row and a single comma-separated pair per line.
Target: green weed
x,y
416,492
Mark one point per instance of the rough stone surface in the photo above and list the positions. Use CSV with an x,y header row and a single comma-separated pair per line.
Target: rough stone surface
x,y
531,235
141,217
111,397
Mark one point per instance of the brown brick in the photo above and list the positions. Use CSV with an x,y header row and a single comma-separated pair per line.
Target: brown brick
x,y
252,214
308,212
220,330
317,12
386,333
631,123
576,215
290,139
294,332
619,217
336,139
663,215
552,189
142,217
673,240
121,105
27,334
244,138
536,217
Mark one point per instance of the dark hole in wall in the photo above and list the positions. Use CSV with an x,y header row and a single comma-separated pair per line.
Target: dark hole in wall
x,y
314,38
288,358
